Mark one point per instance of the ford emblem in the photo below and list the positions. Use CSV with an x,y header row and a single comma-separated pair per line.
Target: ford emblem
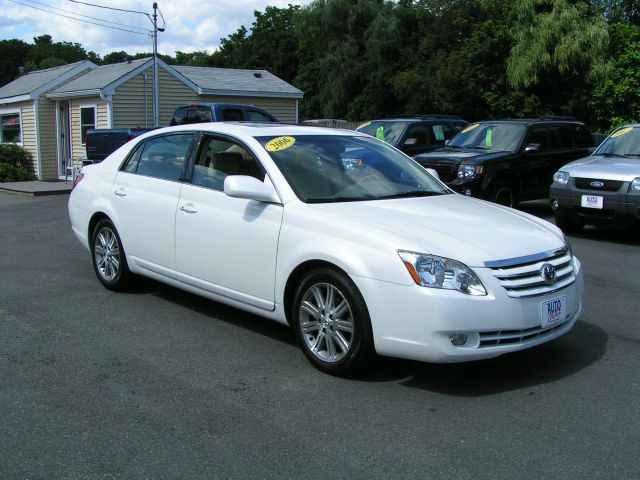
x,y
548,273
597,184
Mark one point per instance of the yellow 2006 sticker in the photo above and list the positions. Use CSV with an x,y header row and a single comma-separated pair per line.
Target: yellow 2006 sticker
x,y
280,143
470,127
624,131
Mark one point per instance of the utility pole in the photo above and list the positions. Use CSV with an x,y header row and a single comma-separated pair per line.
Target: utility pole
x,y
155,65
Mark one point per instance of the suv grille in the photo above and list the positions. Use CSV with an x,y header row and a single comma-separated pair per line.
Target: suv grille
x,y
447,171
526,280
607,185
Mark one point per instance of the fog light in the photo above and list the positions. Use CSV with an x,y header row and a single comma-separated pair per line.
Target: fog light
x,y
467,192
458,339
554,203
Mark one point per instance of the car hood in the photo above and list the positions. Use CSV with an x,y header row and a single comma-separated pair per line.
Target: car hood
x,y
458,155
468,230
608,168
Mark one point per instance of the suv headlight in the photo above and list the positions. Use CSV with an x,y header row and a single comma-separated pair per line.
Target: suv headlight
x,y
561,177
440,272
635,184
470,171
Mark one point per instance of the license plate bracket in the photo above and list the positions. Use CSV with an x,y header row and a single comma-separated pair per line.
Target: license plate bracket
x,y
592,201
553,311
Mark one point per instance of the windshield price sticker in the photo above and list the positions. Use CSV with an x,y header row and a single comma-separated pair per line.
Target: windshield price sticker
x,y
624,131
553,311
280,143
592,201
470,127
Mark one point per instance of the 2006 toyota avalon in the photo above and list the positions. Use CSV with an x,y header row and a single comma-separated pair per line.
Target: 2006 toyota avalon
x,y
333,232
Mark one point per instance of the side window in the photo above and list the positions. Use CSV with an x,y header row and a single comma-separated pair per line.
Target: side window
x,y
163,157
582,138
419,135
220,157
132,163
179,116
561,137
538,135
255,116
232,115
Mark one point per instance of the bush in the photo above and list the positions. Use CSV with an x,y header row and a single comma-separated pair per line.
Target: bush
x,y
15,164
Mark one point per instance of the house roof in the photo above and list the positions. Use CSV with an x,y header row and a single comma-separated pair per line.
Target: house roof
x,y
33,83
99,78
228,81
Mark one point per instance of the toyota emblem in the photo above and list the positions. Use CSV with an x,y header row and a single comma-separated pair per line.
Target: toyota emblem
x,y
548,273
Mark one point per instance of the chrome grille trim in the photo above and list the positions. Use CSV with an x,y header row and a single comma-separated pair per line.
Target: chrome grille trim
x,y
510,337
510,262
524,281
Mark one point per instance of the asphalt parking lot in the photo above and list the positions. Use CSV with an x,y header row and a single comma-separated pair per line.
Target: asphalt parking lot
x,y
158,383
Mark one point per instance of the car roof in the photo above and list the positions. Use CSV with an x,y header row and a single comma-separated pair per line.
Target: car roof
x,y
258,129
534,121
420,118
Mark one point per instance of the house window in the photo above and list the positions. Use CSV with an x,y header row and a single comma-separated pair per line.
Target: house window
x,y
87,121
10,131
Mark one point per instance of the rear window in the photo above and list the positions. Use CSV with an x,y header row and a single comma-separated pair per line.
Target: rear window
x,y
390,132
191,114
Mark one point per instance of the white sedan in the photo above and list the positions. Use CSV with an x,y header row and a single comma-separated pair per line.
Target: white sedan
x,y
333,232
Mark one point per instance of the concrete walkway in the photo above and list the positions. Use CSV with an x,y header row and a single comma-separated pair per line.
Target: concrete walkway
x,y
37,188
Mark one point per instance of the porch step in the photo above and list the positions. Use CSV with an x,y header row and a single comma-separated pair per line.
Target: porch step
x,y
37,188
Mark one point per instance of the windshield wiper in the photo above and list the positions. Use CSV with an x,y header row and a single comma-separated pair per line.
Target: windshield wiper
x,y
411,193
609,154
631,155
339,199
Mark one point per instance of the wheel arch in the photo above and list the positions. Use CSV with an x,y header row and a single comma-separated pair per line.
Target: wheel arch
x,y
296,276
93,221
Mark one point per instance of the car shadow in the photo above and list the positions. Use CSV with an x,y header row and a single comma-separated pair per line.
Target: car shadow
x,y
565,356
609,235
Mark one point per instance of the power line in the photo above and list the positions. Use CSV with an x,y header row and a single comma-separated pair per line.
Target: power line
x,y
109,8
87,16
80,20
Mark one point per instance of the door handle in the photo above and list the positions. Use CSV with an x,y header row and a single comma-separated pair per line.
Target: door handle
x,y
189,208
121,192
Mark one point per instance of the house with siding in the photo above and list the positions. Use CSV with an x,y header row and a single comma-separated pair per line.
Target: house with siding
x,y
54,113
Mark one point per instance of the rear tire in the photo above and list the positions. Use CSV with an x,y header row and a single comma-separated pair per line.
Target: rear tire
x,y
332,324
108,256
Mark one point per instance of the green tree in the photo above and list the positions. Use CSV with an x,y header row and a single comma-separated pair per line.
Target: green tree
x,y
13,53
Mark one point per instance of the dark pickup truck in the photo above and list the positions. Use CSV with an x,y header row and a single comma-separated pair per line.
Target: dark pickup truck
x,y
100,143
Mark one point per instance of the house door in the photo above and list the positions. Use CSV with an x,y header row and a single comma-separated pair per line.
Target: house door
x,y
64,138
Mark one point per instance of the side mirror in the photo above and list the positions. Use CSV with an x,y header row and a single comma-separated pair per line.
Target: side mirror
x,y
532,148
249,188
447,142
433,173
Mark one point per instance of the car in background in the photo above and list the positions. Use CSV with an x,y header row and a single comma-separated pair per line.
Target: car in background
x,y
603,188
219,112
335,233
508,161
415,134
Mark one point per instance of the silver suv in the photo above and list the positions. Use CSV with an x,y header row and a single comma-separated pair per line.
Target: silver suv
x,y
602,189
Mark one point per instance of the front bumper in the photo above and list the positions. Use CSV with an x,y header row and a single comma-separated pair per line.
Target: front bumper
x,y
621,208
417,323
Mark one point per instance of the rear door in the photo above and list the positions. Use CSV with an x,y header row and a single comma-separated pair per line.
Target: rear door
x,y
145,197
534,166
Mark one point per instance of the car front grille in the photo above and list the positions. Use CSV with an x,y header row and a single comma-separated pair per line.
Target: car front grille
x,y
447,171
523,280
510,337
607,185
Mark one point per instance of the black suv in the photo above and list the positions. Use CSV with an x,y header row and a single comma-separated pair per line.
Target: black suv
x,y
506,161
415,134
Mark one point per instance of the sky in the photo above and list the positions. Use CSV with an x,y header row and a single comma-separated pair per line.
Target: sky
x,y
190,24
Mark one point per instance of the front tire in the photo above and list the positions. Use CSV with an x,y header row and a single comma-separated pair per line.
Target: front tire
x,y
332,324
109,259
504,193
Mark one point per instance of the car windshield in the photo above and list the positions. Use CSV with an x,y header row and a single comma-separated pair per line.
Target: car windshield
x,y
390,132
624,142
336,168
490,136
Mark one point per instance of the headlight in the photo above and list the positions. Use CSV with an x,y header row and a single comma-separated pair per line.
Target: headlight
x,y
439,272
561,177
470,171
635,184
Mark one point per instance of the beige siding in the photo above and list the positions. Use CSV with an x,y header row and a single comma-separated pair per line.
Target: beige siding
x,y
173,93
102,121
128,102
47,140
